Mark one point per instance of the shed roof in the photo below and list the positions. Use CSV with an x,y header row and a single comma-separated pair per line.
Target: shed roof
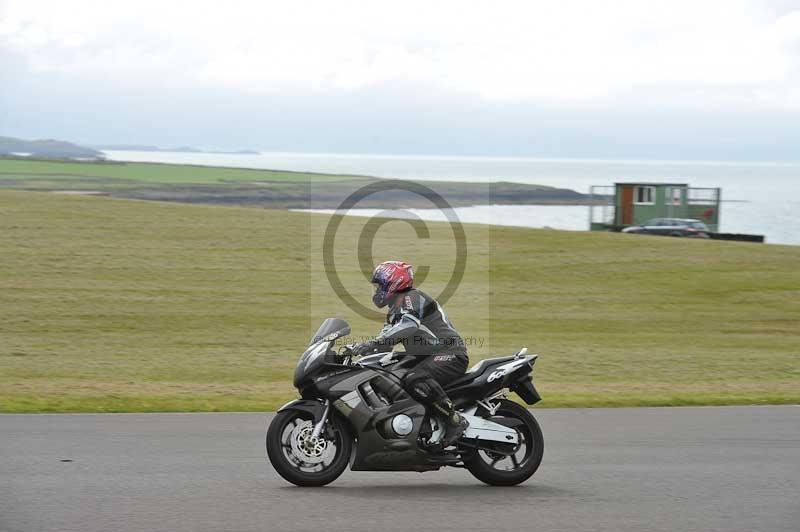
x,y
651,184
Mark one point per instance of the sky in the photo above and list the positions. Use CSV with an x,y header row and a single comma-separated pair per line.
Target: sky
x,y
702,79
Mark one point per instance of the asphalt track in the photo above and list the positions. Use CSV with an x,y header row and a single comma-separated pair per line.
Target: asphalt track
x,y
698,469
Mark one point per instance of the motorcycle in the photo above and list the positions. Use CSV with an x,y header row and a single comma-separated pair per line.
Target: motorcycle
x,y
357,413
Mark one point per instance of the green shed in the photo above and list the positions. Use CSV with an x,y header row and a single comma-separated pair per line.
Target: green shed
x,y
627,204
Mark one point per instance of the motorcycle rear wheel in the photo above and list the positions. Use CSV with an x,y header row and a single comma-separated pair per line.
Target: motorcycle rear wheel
x,y
496,469
299,458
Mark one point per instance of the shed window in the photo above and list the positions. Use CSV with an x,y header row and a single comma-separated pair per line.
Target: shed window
x,y
674,196
645,195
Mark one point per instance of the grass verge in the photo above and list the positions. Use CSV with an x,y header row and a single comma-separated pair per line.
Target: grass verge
x,y
115,305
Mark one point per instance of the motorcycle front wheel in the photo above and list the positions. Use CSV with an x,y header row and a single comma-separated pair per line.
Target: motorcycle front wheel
x,y
302,459
509,469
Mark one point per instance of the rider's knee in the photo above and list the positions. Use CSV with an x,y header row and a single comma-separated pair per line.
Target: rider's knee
x,y
422,387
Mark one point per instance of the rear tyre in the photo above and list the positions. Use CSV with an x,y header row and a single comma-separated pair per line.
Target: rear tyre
x,y
497,469
301,459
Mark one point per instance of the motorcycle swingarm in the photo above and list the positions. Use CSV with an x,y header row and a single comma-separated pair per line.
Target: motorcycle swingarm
x,y
483,429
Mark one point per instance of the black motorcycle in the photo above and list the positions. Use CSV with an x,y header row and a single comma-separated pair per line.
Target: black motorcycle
x,y
357,412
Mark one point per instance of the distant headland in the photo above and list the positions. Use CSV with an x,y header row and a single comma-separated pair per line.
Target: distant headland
x,y
46,149
181,149
60,149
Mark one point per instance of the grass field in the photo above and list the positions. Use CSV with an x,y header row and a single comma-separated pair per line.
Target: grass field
x,y
22,169
252,187
120,305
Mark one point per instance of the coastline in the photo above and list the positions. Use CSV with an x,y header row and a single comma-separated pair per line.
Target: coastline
x,y
263,188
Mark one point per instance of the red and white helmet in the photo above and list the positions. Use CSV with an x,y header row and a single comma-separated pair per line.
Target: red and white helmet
x,y
391,278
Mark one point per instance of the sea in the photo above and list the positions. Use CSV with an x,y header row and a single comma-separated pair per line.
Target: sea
x,y
760,198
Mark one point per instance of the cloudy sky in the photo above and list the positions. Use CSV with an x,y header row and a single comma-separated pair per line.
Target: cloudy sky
x,y
640,79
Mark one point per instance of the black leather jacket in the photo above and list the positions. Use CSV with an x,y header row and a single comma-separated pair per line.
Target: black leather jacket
x,y
418,322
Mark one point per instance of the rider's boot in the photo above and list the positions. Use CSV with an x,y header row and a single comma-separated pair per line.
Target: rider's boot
x,y
454,423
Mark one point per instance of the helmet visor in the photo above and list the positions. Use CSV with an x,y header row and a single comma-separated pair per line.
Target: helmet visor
x,y
379,297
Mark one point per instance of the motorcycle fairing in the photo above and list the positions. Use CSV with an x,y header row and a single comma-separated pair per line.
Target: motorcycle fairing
x,y
377,448
492,375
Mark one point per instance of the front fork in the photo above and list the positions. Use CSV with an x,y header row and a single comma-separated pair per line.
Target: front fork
x,y
320,426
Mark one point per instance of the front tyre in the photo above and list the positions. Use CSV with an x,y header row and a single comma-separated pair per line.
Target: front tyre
x,y
498,469
301,459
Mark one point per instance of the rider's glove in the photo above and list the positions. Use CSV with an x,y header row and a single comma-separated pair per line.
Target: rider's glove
x,y
365,348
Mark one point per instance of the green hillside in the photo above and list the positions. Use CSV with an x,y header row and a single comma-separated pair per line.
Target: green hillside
x,y
24,169
272,189
118,305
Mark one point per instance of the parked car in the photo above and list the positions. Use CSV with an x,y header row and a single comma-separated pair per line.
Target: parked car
x,y
671,227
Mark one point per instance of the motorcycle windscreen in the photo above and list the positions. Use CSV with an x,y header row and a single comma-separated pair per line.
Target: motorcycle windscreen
x,y
331,329
309,361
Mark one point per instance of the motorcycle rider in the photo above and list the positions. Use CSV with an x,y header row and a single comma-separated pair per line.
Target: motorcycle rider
x,y
417,321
